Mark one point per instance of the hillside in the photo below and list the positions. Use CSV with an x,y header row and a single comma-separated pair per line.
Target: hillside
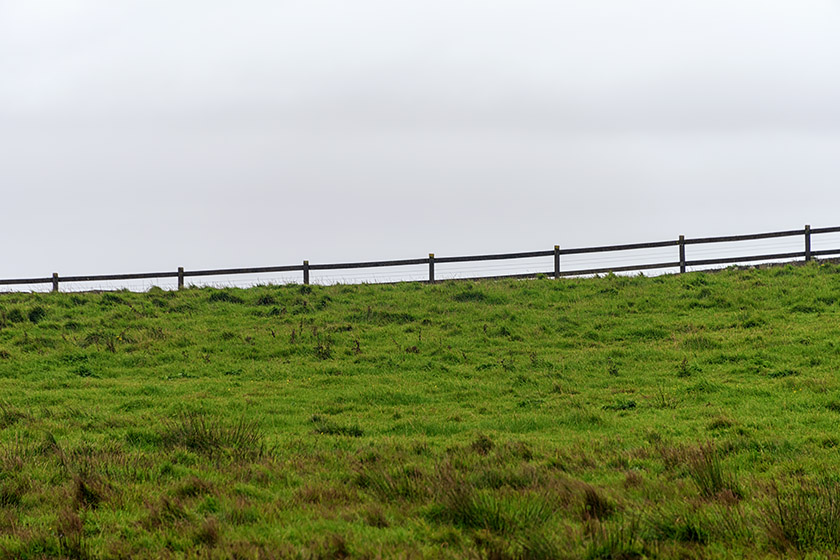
x,y
615,417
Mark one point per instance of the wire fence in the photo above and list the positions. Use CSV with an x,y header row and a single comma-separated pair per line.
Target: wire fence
x,y
678,255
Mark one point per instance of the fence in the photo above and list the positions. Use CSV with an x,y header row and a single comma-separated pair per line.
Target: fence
x,y
306,268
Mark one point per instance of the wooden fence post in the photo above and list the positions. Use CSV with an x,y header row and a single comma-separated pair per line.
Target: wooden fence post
x,y
556,262
305,273
431,268
180,277
808,243
682,254
55,282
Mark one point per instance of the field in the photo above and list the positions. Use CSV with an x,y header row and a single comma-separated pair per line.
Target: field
x,y
687,416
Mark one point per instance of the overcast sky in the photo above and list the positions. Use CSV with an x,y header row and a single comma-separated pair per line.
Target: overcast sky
x,y
140,135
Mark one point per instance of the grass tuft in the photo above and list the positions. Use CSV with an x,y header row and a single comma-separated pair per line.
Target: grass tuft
x,y
708,472
804,515
203,434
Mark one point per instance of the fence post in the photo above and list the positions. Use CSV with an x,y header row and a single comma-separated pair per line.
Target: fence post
x,y
180,277
431,268
808,243
556,262
682,254
55,281
305,273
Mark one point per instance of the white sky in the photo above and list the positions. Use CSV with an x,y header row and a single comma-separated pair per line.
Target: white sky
x,y
146,135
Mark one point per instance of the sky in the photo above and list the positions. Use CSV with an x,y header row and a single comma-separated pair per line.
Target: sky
x,y
143,135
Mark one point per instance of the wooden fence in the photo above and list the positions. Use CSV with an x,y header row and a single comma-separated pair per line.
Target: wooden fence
x,y
306,268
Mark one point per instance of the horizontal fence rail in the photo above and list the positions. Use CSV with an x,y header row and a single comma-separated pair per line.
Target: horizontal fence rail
x,y
681,265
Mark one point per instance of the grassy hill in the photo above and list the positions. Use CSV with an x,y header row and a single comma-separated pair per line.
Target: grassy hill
x,y
615,417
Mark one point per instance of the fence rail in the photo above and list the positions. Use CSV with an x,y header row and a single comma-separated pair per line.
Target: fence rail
x,y
306,268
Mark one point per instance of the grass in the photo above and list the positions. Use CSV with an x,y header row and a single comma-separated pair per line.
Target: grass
x,y
614,417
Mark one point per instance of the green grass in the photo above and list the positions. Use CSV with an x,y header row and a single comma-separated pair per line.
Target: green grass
x,y
617,417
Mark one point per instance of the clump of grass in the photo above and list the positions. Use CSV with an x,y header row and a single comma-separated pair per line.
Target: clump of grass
x,y
406,483
323,347
706,469
224,296
206,435
663,399
14,315
595,504
69,529
326,427
165,513
331,546
374,516
681,525
627,404
699,343
12,491
482,444
10,415
36,314
266,299
465,507
193,487
779,373
110,298
614,540
804,515
720,423
471,295
685,369
208,534
89,490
